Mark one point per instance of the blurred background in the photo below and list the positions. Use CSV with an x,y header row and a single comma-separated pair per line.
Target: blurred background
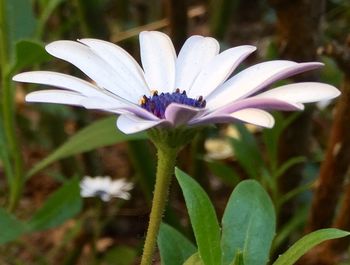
x,y
45,149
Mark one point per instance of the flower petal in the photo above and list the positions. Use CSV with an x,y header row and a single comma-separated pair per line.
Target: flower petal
x,y
101,104
96,68
93,103
96,98
302,92
178,114
121,61
218,70
255,116
196,53
63,81
55,96
158,60
129,124
252,79
250,115
261,103
74,99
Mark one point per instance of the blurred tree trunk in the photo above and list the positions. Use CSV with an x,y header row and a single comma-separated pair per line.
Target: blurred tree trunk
x,y
298,26
177,14
334,167
333,173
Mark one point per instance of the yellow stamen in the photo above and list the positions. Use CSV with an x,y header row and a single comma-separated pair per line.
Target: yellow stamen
x,y
154,92
142,101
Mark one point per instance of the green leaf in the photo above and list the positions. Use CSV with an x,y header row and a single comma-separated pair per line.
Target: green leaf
x,y
292,225
10,227
195,259
144,163
330,73
294,192
62,205
271,136
203,219
20,22
247,152
225,172
238,258
98,134
174,248
28,53
248,224
288,164
304,244
120,255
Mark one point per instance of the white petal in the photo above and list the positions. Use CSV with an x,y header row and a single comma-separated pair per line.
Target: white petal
x,y
254,78
121,61
196,53
255,116
96,68
158,60
129,124
98,103
55,96
302,92
218,70
62,81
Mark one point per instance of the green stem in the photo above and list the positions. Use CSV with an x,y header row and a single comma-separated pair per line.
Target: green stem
x,y
165,170
16,183
8,116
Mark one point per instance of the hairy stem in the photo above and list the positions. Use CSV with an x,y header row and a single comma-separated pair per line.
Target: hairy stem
x,y
165,169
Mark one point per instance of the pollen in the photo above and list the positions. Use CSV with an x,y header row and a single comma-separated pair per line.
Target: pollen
x,y
143,100
154,92
157,103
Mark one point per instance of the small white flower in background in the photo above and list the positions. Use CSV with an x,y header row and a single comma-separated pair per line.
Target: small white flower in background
x,y
218,148
105,188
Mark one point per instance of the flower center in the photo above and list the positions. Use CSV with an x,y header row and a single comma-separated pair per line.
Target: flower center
x,y
157,104
102,194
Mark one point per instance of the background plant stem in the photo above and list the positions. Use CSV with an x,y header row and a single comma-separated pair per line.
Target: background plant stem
x,y
15,177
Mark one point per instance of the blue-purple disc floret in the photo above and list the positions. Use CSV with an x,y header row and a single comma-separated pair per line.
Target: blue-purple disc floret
x,y
157,103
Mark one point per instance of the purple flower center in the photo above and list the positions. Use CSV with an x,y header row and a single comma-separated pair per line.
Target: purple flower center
x,y
157,104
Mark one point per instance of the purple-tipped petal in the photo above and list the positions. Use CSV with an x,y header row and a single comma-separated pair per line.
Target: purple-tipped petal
x,y
260,103
218,70
255,78
140,112
302,92
253,116
129,124
178,114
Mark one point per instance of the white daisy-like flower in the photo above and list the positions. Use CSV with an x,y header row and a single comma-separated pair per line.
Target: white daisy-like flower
x,y
105,188
191,88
